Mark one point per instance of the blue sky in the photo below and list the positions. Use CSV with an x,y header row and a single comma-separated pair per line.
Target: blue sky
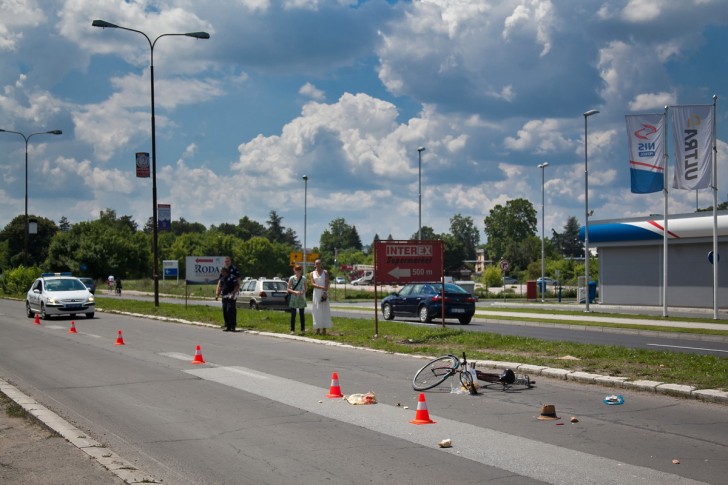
x,y
345,91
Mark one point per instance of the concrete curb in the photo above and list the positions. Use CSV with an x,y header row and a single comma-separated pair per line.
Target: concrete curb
x,y
105,457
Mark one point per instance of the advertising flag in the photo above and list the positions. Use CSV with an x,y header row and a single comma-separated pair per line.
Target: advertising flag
x,y
692,128
646,139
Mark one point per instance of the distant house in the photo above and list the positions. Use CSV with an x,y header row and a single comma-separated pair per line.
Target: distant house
x,y
631,260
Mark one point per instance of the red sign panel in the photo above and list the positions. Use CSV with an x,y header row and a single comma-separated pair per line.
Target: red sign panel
x,y
407,261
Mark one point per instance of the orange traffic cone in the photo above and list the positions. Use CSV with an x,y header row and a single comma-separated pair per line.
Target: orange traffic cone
x,y
334,390
198,357
119,339
37,319
422,416
73,328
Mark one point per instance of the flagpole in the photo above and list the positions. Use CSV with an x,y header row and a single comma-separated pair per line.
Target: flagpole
x,y
664,236
715,211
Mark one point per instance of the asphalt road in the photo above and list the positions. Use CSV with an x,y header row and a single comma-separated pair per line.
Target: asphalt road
x,y
257,412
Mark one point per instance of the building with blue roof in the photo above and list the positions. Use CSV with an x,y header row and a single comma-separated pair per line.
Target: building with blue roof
x,y
631,260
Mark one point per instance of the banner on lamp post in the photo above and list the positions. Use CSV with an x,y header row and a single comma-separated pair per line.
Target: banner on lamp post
x,y
164,217
142,165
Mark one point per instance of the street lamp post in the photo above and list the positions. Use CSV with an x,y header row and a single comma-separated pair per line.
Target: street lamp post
x,y
155,232
543,166
586,208
27,224
305,210
419,178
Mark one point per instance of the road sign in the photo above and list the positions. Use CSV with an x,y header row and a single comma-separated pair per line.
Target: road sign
x,y
504,265
407,261
297,257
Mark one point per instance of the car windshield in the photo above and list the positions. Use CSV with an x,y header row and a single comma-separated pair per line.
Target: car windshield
x,y
275,285
64,285
449,288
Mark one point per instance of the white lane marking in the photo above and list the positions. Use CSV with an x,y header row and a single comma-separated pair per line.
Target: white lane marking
x,y
521,456
177,355
690,348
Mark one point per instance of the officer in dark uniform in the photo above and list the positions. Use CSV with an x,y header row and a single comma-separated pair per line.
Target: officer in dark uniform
x,y
228,286
231,267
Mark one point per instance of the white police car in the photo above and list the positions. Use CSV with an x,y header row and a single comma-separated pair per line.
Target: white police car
x,y
59,294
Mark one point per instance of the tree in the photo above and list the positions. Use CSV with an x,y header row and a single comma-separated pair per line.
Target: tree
x,y
249,228
275,231
507,228
260,257
14,235
109,217
568,243
98,249
278,233
463,229
428,234
184,227
63,224
339,236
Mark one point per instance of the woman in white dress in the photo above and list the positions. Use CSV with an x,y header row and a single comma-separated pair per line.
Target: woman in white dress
x,y
321,311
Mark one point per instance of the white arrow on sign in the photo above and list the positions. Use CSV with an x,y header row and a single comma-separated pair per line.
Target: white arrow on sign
x,y
400,273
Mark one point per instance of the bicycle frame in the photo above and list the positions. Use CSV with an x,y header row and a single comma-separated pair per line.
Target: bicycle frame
x,y
439,370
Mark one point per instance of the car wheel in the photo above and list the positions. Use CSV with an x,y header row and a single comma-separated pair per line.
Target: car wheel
x,y
90,315
387,312
43,314
28,312
465,320
424,315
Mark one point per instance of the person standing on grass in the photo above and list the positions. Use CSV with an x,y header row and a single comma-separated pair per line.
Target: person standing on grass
x,y
320,308
297,300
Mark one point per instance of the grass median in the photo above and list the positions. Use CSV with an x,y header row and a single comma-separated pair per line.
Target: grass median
x,y
701,371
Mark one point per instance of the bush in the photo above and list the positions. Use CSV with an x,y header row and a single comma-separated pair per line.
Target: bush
x,y
17,281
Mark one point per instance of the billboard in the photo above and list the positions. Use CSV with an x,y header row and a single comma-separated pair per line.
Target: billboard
x,y
408,261
203,270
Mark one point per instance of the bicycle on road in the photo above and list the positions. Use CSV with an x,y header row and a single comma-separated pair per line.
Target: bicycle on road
x,y
439,370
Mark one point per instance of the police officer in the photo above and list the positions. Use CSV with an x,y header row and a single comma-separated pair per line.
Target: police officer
x,y
231,268
228,286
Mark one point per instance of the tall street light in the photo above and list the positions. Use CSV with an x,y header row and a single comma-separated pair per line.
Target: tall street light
x,y
543,166
27,223
586,208
419,178
305,210
155,237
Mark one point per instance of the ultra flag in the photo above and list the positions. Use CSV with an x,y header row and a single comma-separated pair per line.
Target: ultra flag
x,y
646,140
692,128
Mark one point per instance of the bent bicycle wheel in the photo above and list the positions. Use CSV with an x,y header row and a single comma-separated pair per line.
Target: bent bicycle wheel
x,y
435,372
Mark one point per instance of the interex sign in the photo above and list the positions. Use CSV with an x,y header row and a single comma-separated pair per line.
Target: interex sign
x,y
203,270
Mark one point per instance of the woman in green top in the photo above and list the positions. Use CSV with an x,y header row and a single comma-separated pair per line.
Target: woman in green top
x,y
297,300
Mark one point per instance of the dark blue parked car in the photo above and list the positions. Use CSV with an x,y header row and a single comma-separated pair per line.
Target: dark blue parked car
x,y
424,300
90,284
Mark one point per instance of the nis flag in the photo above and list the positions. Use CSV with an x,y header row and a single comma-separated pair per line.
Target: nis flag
x,y
646,139
692,128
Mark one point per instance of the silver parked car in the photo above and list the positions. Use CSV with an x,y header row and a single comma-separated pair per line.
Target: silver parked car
x,y
263,293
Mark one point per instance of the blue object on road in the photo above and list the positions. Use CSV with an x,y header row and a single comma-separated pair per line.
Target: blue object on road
x,y
614,400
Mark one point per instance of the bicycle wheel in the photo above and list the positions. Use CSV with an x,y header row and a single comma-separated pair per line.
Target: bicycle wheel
x,y
466,379
435,372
